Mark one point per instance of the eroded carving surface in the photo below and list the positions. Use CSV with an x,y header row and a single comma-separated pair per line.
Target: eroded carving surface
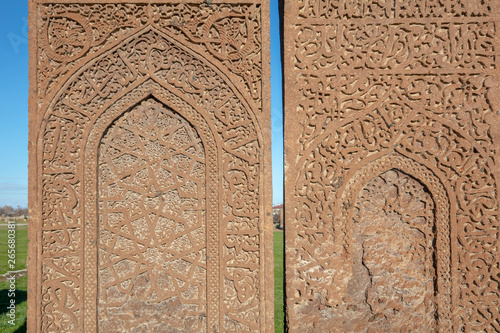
x,y
393,277
152,238
414,81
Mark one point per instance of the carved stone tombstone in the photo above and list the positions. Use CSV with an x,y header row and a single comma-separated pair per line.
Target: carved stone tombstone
x,y
150,168
392,131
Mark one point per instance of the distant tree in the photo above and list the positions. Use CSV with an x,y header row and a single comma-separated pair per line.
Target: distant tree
x,y
9,210
6,210
276,217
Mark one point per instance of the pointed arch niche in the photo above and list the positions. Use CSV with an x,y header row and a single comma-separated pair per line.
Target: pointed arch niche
x,y
396,226
159,262
151,220
143,211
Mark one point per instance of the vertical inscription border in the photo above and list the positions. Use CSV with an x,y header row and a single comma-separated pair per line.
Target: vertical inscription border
x,y
42,104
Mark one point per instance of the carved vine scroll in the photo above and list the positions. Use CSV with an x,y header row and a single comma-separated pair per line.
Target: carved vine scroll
x,y
149,156
413,86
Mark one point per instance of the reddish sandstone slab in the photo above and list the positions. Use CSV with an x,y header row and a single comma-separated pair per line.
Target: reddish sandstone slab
x,y
391,171
150,167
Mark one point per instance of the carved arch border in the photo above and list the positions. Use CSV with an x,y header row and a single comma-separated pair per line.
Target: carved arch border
x,y
206,59
440,196
86,197
125,103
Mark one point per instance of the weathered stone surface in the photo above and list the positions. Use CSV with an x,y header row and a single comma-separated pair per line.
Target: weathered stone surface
x,y
150,189
391,167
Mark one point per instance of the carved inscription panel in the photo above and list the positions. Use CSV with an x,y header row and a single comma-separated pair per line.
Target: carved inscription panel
x,y
391,176
150,167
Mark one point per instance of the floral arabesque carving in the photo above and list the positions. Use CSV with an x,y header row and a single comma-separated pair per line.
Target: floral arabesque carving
x,y
229,33
371,81
450,153
153,62
74,34
69,33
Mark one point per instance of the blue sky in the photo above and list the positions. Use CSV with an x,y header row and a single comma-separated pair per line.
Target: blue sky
x,y
14,105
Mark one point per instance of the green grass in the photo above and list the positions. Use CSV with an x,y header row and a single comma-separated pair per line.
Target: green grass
x,y
21,283
21,248
21,306
279,316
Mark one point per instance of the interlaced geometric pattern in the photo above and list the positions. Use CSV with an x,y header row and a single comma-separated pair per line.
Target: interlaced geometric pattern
x,y
152,237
